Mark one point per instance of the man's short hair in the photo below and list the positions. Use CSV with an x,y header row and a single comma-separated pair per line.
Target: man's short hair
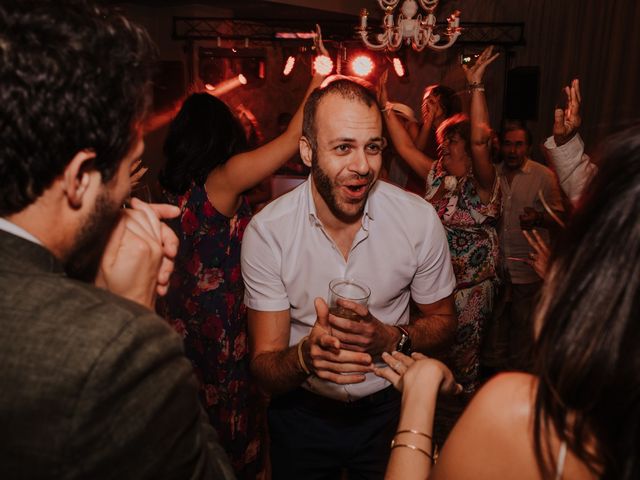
x,y
347,87
512,125
73,76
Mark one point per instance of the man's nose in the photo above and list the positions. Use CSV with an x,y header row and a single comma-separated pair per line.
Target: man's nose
x,y
360,163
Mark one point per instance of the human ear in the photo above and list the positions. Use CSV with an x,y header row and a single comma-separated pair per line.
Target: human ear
x,y
306,151
77,177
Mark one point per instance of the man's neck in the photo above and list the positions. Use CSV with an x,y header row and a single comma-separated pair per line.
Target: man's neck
x,y
45,226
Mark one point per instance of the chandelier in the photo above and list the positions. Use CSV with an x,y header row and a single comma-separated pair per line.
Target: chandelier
x,y
417,31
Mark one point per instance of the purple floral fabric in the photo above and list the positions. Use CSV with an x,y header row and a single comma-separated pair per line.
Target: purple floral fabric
x,y
205,306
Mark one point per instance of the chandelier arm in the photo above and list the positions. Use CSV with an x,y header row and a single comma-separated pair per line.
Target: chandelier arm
x,y
373,46
428,5
451,41
388,3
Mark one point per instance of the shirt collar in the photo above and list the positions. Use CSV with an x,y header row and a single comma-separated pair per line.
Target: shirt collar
x,y
524,168
14,229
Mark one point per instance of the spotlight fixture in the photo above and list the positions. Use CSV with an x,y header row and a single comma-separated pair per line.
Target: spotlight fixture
x,y
288,65
398,67
226,85
323,65
362,65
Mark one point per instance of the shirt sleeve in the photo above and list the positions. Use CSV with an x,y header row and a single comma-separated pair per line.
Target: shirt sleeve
x,y
434,279
573,166
261,264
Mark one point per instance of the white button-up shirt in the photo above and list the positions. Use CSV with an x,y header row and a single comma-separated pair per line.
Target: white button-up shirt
x,y
400,252
524,191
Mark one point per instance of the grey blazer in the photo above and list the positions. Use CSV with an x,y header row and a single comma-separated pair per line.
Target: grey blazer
x,y
92,385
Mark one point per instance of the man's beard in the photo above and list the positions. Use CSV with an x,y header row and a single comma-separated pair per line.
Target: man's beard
x,y
84,260
326,188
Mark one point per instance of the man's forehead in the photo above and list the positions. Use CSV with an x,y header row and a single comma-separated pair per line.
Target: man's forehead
x,y
514,135
340,115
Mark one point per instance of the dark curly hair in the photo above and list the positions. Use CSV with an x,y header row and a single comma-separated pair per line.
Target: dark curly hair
x,y
204,134
73,76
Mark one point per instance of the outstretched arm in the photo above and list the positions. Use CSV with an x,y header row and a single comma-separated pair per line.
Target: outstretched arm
x,y
420,379
484,171
247,169
566,149
401,139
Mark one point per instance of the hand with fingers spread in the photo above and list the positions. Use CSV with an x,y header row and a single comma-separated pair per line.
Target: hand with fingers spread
x,y
137,172
382,93
539,258
319,43
138,259
475,73
326,356
566,122
365,333
417,371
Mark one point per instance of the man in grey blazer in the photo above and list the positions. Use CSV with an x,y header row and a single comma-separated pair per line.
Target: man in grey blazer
x,y
92,383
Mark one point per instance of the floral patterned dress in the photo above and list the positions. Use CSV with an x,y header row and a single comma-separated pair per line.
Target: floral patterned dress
x,y
205,305
473,243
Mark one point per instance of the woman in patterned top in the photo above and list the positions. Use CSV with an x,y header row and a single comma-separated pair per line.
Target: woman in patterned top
x,y
206,173
462,186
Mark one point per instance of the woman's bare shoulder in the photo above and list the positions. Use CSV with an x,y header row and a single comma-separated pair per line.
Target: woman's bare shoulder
x,y
492,439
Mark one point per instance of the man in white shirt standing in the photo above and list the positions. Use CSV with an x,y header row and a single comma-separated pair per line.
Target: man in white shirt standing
x,y
525,186
330,412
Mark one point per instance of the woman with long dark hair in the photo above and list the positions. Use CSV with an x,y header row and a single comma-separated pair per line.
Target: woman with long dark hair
x,y
578,417
208,170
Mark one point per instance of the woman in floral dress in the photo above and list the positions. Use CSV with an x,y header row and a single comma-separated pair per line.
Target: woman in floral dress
x,y
463,188
206,173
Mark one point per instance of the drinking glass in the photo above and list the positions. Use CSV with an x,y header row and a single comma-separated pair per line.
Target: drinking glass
x,y
347,289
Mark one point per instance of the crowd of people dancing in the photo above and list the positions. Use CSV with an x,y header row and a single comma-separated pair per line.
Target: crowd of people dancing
x,y
192,338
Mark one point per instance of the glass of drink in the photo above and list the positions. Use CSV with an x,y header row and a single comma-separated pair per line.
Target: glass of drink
x,y
347,289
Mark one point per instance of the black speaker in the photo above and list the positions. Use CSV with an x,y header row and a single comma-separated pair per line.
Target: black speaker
x,y
521,95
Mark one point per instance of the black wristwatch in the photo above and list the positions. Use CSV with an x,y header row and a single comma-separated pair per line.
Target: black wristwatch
x,y
404,344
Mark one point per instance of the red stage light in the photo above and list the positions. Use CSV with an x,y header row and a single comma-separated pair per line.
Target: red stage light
x,y
362,65
288,66
323,65
398,67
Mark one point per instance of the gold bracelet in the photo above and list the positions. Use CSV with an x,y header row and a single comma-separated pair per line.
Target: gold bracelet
x,y
301,361
415,432
413,447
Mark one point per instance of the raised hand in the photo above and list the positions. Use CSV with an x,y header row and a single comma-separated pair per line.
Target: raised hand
x,y
383,95
137,172
318,42
416,371
566,122
539,258
326,358
475,73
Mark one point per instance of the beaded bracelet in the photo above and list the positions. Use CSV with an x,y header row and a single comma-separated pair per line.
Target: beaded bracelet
x,y
479,86
301,361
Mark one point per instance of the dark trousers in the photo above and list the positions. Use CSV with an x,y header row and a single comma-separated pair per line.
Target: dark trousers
x,y
313,437
509,340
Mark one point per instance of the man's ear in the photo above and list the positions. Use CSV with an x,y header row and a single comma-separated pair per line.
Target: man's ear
x,y
306,151
77,177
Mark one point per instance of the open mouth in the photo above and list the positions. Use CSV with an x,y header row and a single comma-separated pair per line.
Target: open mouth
x,y
356,190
